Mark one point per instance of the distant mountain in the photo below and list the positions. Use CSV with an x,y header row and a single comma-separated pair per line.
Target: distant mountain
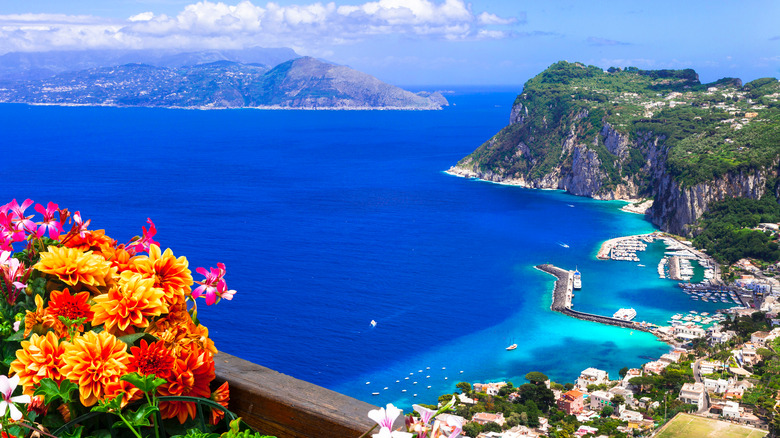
x,y
298,83
41,65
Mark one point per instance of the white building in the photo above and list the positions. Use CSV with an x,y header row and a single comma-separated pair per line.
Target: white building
x,y
600,399
693,393
592,376
718,386
731,410
688,332
709,367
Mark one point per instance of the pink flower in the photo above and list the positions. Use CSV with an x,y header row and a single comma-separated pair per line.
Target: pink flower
x,y
82,226
146,241
17,216
213,285
9,232
11,271
49,223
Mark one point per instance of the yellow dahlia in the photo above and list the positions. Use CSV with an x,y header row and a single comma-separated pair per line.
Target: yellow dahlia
x,y
39,358
131,302
171,274
40,320
95,361
73,266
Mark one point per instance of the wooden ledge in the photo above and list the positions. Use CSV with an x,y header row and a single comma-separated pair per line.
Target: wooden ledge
x,y
286,407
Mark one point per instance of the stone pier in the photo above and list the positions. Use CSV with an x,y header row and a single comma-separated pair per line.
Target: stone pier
x,y
562,300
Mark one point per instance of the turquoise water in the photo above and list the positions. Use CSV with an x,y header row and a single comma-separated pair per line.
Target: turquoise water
x,y
327,220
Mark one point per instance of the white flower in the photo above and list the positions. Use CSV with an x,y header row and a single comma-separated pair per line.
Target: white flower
x,y
385,433
385,418
7,387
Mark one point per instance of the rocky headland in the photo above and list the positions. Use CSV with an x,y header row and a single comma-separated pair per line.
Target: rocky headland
x,y
636,134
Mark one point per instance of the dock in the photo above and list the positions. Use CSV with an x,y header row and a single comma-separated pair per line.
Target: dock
x,y
562,301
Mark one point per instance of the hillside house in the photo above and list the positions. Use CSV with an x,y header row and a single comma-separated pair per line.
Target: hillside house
x,y
572,402
693,393
591,376
484,418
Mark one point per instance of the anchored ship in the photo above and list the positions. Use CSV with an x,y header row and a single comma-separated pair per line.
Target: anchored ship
x,y
625,314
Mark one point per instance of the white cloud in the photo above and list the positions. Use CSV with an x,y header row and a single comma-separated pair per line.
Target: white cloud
x,y
208,24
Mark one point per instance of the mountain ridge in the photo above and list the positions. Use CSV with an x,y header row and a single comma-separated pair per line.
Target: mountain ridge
x,y
302,82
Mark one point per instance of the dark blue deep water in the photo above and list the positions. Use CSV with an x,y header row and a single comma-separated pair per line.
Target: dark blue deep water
x,y
327,220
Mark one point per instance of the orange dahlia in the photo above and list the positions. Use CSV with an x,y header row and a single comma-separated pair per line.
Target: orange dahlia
x,y
118,256
178,332
221,396
39,358
73,266
92,239
62,303
122,388
170,273
130,302
192,372
151,358
94,361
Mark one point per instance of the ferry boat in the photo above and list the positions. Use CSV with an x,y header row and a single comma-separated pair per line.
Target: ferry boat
x,y
577,279
625,314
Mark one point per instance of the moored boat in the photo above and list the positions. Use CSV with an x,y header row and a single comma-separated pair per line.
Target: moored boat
x,y
625,314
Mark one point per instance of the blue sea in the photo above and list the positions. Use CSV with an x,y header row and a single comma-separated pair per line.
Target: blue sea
x,y
327,220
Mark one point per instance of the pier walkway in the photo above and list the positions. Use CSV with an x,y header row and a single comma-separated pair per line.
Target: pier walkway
x,y
562,300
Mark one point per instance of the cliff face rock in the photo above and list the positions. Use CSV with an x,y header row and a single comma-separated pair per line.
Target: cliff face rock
x,y
638,134
676,207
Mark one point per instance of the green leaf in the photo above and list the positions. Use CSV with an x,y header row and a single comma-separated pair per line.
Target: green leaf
x,y
75,433
51,391
113,405
142,415
18,336
146,384
130,339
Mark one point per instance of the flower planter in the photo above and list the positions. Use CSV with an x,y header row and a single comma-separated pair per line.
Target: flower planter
x,y
283,406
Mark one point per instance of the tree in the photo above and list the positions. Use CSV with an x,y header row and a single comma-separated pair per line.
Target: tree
x,y
607,411
568,386
542,396
491,426
536,377
623,371
472,428
465,387
445,398
618,400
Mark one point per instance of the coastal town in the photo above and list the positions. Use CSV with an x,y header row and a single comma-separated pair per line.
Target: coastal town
x,y
721,368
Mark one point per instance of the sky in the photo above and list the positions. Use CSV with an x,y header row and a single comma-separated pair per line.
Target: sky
x,y
422,42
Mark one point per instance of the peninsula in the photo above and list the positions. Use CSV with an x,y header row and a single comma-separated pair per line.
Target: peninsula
x,y
299,83
657,135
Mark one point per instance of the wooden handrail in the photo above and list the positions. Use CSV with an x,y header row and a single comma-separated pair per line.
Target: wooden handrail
x,y
276,404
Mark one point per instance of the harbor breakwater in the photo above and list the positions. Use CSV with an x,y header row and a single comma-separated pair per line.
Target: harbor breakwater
x,y
563,292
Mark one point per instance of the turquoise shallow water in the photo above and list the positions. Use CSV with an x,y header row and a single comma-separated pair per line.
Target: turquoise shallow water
x,y
327,220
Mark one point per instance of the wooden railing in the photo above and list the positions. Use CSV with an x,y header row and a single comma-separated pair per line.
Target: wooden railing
x,y
283,406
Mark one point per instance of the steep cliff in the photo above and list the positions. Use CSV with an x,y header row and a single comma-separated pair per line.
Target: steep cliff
x,y
624,134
